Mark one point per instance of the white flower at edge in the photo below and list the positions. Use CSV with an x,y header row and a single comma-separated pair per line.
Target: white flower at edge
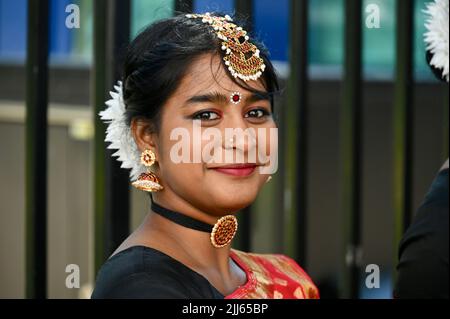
x,y
118,134
436,37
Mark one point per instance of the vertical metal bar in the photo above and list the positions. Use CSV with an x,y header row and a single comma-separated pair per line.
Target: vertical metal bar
x,y
298,130
117,195
244,9
351,148
403,121
185,6
111,35
36,148
98,89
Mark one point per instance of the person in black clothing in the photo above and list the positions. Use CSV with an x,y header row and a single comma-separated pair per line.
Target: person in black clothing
x,y
423,255
423,252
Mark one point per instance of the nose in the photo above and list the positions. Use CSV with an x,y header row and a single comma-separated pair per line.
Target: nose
x,y
237,135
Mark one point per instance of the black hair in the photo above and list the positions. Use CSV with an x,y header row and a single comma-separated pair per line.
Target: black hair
x,y
158,58
437,72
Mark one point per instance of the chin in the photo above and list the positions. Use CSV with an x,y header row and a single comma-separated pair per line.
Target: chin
x,y
233,201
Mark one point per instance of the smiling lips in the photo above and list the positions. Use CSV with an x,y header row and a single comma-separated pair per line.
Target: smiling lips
x,y
236,169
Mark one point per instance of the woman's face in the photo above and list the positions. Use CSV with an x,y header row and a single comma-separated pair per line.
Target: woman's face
x,y
203,98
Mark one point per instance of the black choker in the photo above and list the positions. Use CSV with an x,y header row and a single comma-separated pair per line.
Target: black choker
x,y
182,219
221,233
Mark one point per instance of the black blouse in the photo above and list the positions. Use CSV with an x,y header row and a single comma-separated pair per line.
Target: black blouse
x,y
147,273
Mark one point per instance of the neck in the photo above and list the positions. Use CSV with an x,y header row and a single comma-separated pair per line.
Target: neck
x,y
191,246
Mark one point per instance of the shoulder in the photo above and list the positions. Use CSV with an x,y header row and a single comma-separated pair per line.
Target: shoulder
x,y
429,230
280,267
423,252
142,272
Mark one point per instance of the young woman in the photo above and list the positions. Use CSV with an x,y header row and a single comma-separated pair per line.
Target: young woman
x,y
183,77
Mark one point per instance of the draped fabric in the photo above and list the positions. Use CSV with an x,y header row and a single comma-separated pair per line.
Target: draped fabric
x,y
273,277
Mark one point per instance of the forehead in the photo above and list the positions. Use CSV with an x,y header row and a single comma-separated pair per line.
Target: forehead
x,y
207,73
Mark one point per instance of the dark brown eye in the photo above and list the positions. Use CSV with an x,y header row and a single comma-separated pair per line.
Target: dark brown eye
x,y
257,113
206,116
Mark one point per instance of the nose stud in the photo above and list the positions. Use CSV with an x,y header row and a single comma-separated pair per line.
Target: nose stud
x,y
231,143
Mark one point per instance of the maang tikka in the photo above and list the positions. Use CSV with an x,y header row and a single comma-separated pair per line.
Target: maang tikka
x,y
241,56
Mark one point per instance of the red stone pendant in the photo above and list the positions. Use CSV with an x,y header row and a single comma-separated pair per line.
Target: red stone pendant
x,y
223,231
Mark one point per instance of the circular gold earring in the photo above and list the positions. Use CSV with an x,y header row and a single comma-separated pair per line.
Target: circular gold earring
x,y
148,158
148,181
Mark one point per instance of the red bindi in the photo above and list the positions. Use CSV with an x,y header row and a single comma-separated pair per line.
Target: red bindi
x,y
235,97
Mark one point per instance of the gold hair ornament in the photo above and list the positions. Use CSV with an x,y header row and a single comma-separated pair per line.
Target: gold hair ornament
x,y
241,56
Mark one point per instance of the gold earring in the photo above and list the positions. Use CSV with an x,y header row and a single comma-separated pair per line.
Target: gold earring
x,y
148,181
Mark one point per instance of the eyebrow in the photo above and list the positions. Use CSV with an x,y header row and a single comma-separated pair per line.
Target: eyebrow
x,y
220,98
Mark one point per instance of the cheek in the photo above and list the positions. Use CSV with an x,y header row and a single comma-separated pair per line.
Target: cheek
x,y
177,168
267,143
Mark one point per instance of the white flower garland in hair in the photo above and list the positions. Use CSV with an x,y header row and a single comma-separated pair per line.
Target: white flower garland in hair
x,y
436,37
119,134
